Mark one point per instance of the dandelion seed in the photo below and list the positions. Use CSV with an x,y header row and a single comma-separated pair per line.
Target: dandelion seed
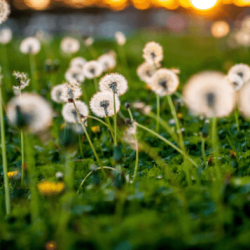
x,y
242,70
92,69
236,80
21,79
243,99
75,74
153,53
120,38
89,41
209,96
115,83
30,45
56,93
5,36
78,62
102,104
69,112
107,61
30,111
70,45
48,188
4,11
71,91
146,71
164,82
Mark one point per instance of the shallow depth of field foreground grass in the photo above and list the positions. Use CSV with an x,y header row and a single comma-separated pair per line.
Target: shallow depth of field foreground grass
x,y
161,209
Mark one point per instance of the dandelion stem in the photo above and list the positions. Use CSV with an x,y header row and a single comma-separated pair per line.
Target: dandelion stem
x,y
158,112
203,149
4,156
115,121
89,140
237,118
110,128
80,145
168,143
96,84
90,173
130,114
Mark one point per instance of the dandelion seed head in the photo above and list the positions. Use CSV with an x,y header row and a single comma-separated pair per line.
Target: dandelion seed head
x,y
209,96
30,111
92,69
153,53
71,91
70,45
120,38
164,82
22,80
75,74
139,105
235,80
242,70
30,45
102,104
146,71
5,36
89,41
243,99
78,62
69,112
56,93
107,61
115,83
4,11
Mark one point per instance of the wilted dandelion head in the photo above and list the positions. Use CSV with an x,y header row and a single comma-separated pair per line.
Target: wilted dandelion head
x,y
78,62
107,61
164,82
69,112
92,69
153,53
236,80
120,38
102,104
115,83
22,80
70,45
146,71
242,70
30,45
5,36
75,74
4,11
48,188
30,111
71,91
89,41
56,93
209,96
243,99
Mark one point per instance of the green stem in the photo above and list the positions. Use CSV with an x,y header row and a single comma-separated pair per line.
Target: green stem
x,y
89,174
4,156
130,115
203,150
80,146
167,142
69,172
89,140
22,153
96,84
115,121
237,119
136,157
158,104
110,128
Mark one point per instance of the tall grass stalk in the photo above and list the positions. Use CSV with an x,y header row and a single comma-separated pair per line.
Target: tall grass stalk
x,y
158,105
115,121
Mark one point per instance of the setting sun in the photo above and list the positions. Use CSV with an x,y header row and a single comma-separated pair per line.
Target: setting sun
x,y
204,4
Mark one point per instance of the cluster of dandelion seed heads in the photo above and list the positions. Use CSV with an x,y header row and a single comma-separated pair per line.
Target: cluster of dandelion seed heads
x,y
74,74
146,71
108,61
4,11
69,112
153,53
242,70
120,38
5,36
22,80
71,91
92,69
78,62
56,93
102,104
164,82
115,83
48,188
30,111
70,45
30,45
209,96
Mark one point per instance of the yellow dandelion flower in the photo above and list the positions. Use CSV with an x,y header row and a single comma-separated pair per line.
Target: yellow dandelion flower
x,y
96,129
14,175
48,188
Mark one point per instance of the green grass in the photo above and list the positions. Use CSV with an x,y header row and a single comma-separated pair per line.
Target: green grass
x,y
159,210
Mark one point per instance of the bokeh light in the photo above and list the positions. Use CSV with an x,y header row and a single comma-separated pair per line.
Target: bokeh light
x,y
37,4
220,29
204,4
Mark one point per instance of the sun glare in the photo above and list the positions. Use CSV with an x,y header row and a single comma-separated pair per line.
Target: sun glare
x,y
204,4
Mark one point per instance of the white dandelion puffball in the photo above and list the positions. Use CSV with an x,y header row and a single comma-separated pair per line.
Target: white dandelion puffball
x,y
5,36
69,112
71,91
242,70
242,37
74,74
120,38
145,72
107,61
22,80
78,62
30,45
210,96
243,100
164,82
115,83
30,111
70,45
153,53
4,11
56,93
236,80
102,104
92,69
89,41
